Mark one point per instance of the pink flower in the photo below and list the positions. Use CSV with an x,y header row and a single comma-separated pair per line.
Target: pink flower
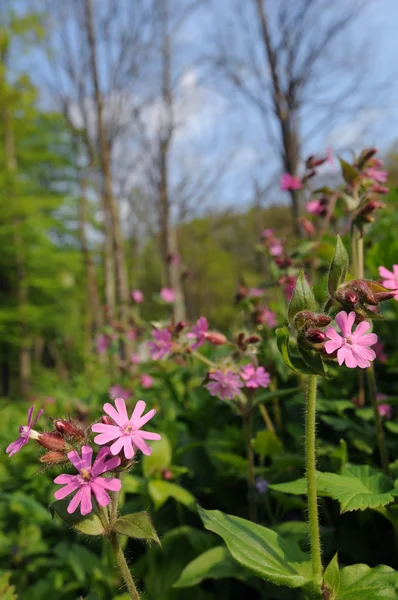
x,y
315,207
290,182
255,292
224,384
137,296
375,174
168,295
390,278
265,315
267,233
255,377
352,347
126,431
275,248
162,344
117,391
198,332
385,410
102,344
146,381
135,358
26,433
174,259
88,481
380,352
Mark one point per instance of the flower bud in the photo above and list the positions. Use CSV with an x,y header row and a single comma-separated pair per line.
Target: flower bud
x,y
216,338
106,420
52,440
383,296
306,318
283,262
180,326
315,336
379,189
313,162
253,339
53,458
307,226
69,428
167,474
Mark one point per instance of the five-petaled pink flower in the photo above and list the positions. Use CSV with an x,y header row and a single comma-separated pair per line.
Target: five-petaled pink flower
x,y
376,175
352,347
162,344
255,377
146,381
168,295
127,432
315,207
290,182
26,433
390,278
117,391
89,480
137,296
198,332
224,384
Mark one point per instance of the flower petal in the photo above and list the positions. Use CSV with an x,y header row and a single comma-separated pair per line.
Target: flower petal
x,y
367,340
15,447
87,457
333,345
108,483
86,505
101,496
30,414
140,422
65,478
137,412
106,437
118,445
141,445
345,322
39,413
74,503
128,447
360,330
332,334
113,413
67,489
383,272
147,435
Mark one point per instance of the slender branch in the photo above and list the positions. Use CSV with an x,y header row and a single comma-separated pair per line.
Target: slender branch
x,y
310,459
123,566
114,504
267,419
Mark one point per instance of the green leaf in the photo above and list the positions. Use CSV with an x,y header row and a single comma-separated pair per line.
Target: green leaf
x,y
260,550
348,171
160,491
216,563
160,458
137,525
6,589
338,268
313,360
90,524
133,484
360,582
298,487
332,579
294,362
266,443
302,299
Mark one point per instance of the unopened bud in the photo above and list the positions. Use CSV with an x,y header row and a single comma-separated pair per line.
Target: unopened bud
x,y
284,262
216,338
53,458
315,336
180,326
69,428
313,162
383,296
52,440
307,226
380,189
167,474
253,339
106,420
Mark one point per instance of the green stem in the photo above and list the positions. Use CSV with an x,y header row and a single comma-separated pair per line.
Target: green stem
x,y
310,458
251,482
114,504
123,566
379,427
205,360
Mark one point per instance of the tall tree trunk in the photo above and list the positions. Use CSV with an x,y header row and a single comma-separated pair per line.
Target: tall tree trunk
x,y
284,112
110,206
168,234
24,351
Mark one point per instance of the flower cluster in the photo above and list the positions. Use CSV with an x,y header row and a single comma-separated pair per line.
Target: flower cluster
x,y
227,384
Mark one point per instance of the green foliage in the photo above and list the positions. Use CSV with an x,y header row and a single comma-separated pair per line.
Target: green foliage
x,y
137,525
216,563
338,268
302,299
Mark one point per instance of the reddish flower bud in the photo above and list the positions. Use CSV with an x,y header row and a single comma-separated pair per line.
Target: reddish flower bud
x,y
315,336
69,428
253,339
307,226
167,474
382,296
313,162
52,440
284,262
180,326
216,338
380,189
53,458
107,420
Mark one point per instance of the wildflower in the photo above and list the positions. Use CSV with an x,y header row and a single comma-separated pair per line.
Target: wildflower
x,y
267,233
290,182
390,278
137,296
261,485
89,480
117,391
162,344
307,226
385,410
255,377
26,433
225,384
198,332
135,358
126,431
380,352
146,381
315,207
132,335
376,174
167,474
174,259
101,344
275,248
168,295
352,347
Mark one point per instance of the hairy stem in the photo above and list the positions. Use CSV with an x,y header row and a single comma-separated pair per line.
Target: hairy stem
x,y
267,419
123,567
379,427
251,483
310,459
114,504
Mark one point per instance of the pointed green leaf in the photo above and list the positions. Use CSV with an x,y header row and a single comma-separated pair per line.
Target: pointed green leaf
x,y
160,491
360,582
7,591
338,267
332,579
266,443
260,550
298,487
302,299
90,524
314,361
348,171
137,525
216,563
294,362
